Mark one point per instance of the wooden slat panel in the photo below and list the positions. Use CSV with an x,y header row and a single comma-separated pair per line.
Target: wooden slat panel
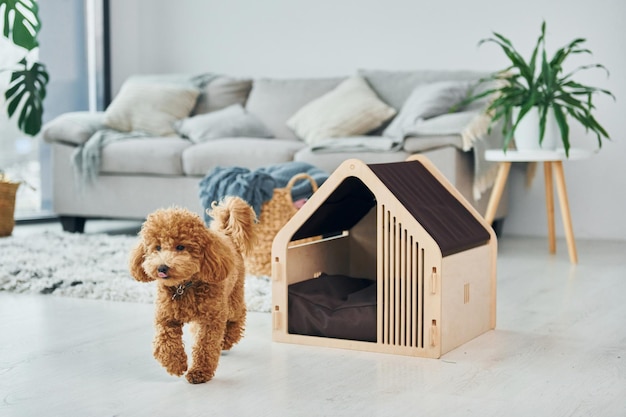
x,y
385,261
396,281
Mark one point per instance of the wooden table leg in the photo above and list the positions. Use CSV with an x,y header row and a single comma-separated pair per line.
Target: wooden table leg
x,y
547,170
498,189
565,213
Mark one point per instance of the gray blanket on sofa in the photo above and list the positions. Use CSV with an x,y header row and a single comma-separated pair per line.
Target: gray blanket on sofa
x,y
86,158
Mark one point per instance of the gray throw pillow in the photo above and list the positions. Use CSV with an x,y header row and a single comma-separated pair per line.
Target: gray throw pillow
x,y
222,92
394,87
232,121
426,101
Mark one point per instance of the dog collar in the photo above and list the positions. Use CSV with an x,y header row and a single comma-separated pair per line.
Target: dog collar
x,y
180,290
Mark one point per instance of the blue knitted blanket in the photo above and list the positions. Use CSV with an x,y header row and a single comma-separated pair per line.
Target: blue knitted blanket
x,y
257,187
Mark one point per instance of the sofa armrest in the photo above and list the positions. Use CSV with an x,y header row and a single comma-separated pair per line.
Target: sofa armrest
x,y
73,127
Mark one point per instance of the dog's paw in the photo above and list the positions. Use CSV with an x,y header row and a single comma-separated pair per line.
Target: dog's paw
x,y
176,368
198,376
173,360
227,345
232,335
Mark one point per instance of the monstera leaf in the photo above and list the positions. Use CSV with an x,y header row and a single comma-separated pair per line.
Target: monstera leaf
x,y
27,86
21,22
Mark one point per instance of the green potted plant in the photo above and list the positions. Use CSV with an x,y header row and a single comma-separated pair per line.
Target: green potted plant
x,y
27,86
540,85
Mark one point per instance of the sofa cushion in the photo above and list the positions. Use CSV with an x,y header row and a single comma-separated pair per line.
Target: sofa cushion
x,y
222,92
251,153
150,107
274,101
159,155
394,87
352,108
73,127
232,121
427,101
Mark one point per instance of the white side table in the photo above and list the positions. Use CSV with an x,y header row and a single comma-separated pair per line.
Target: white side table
x,y
552,160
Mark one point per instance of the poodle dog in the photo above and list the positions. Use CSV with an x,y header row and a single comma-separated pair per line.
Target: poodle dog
x,y
200,280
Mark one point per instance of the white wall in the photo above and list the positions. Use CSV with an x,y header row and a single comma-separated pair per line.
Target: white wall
x,y
288,38
62,49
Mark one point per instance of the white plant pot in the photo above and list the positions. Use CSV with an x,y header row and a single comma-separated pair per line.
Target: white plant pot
x,y
527,133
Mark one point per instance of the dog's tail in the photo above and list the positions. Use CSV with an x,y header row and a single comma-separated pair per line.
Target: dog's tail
x,y
235,218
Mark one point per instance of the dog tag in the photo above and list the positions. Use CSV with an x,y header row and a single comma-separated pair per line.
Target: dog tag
x,y
179,291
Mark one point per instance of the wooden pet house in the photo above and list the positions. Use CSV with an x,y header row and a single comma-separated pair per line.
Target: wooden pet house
x,y
402,264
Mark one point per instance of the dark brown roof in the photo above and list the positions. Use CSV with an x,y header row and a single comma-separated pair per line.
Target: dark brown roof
x,y
444,217
449,223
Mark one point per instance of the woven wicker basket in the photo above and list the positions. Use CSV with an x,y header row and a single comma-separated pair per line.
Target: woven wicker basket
x,y
274,214
7,206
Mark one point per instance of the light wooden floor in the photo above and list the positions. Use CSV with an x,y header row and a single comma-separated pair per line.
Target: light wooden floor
x,y
559,350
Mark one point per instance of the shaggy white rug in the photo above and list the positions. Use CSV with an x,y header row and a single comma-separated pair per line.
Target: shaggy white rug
x,y
88,266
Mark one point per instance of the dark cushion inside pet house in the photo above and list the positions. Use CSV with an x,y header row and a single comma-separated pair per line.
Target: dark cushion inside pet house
x,y
401,263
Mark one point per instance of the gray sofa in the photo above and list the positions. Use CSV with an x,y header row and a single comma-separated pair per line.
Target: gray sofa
x,y
162,134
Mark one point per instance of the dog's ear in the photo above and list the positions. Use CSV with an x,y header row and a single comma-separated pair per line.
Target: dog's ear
x,y
216,259
135,263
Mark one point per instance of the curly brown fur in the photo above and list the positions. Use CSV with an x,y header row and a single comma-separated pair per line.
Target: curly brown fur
x,y
178,251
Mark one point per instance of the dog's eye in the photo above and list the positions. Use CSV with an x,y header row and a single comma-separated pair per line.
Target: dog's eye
x,y
180,247
158,248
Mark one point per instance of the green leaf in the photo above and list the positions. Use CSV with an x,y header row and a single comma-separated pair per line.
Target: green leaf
x,y
26,92
584,67
543,116
21,22
517,60
563,127
540,42
472,97
547,74
596,127
580,89
571,101
562,53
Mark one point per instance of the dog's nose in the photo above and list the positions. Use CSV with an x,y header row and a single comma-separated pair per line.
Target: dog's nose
x,y
162,270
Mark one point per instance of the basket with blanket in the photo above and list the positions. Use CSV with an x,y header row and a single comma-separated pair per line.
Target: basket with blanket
x,y
274,214
275,192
